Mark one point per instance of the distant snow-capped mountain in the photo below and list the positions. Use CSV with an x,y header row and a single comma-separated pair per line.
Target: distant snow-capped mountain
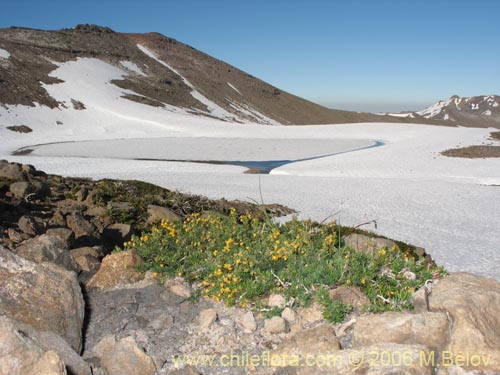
x,y
478,111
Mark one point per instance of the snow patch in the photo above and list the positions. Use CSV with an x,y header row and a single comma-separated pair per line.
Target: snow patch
x,y
487,113
132,67
234,88
252,112
433,110
446,117
4,54
495,104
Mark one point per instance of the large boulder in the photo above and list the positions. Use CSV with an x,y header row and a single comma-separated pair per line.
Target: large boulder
x,y
116,270
473,304
47,248
44,296
365,244
20,354
429,329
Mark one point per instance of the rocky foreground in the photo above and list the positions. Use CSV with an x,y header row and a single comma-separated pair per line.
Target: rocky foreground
x,y
68,305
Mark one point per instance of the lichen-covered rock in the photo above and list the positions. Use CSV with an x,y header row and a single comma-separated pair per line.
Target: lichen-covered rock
x,y
43,295
46,248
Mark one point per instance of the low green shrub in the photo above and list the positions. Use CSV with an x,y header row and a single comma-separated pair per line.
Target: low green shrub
x,y
242,259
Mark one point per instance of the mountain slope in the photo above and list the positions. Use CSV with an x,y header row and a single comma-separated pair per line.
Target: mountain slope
x,y
159,72
475,111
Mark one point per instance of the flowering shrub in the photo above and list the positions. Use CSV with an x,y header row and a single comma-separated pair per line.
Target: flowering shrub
x,y
240,259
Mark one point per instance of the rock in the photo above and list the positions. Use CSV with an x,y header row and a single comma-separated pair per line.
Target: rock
x,y
18,353
429,329
58,219
311,314
95,251
42,295
21,189
45,248
276,300
11,171
95,210
318,340
180,288
14,236
206,318
85,232
49,364
117,269
247,322
88,263
473,304
104,346
275,325
92,198
117,234
350,295
82,194
289,315
52,341
42,189
64,234
31,225
158,213
126,355
365,244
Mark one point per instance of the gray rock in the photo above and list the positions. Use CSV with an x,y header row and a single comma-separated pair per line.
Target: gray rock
x,y
45,248
64,234
43,295
31,225
94,251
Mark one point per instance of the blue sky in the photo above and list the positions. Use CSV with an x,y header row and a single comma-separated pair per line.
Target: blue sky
x,y
373,55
